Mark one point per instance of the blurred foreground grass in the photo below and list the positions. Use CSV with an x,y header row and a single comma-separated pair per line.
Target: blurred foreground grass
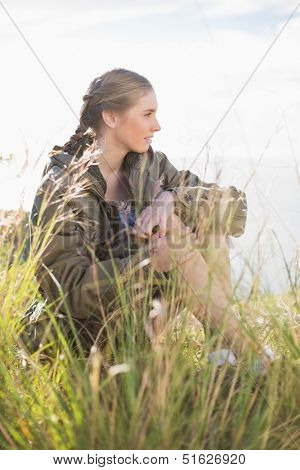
x,y
141,394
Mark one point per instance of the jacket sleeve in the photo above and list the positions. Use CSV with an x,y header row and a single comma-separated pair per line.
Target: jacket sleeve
x,y
191,192
65,238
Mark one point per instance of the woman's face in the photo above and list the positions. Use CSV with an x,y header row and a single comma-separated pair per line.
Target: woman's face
x,y
138,123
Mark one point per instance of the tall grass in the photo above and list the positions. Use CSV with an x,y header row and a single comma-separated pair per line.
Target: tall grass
x,y
140,391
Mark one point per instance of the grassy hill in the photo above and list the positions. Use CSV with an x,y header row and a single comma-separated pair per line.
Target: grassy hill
x,y
140,392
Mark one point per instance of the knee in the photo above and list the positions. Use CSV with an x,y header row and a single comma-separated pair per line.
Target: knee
x,y
181,240
176,227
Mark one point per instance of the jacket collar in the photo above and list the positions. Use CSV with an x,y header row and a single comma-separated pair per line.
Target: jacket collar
x,y
136,165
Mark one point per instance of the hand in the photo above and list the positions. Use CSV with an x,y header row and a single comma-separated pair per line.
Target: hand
x,y
175,248
156,214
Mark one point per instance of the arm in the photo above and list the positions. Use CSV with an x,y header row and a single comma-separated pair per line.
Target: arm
x,y
66,250
190,192
185,184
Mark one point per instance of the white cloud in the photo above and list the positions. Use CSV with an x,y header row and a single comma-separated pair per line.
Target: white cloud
x,y
76,14
233,8
195,78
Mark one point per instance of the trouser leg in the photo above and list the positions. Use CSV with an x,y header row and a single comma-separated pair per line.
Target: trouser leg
x,y
205,278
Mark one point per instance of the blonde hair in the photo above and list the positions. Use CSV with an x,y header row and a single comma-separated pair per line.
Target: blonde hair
x,y
117,90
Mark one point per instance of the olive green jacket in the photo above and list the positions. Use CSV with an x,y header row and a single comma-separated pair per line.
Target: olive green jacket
x,y
71,197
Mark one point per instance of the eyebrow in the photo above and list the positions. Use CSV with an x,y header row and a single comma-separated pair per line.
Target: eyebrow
x,y
152,110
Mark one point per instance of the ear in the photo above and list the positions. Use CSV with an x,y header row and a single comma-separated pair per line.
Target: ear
x,y
109,118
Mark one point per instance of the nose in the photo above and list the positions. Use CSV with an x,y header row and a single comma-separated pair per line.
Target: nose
x,y
157,126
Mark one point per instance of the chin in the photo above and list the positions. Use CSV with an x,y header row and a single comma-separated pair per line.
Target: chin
x,y
141,149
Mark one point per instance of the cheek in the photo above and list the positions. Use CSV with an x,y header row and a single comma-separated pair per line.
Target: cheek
x,y
139,130
135,130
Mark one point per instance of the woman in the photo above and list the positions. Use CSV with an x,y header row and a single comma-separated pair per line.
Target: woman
x,y
118,206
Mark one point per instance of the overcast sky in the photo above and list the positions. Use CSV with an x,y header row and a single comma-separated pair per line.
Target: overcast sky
x,y
197,55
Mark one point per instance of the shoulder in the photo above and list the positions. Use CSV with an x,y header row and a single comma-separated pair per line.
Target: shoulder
x,y
62,176
62,167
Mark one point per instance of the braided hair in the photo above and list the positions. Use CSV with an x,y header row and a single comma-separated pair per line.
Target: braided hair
x,y
117,90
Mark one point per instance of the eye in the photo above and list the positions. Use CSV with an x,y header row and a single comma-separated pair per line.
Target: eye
x,y
148,114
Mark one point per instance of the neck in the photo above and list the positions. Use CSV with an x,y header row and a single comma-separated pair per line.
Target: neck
x,y
110,158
